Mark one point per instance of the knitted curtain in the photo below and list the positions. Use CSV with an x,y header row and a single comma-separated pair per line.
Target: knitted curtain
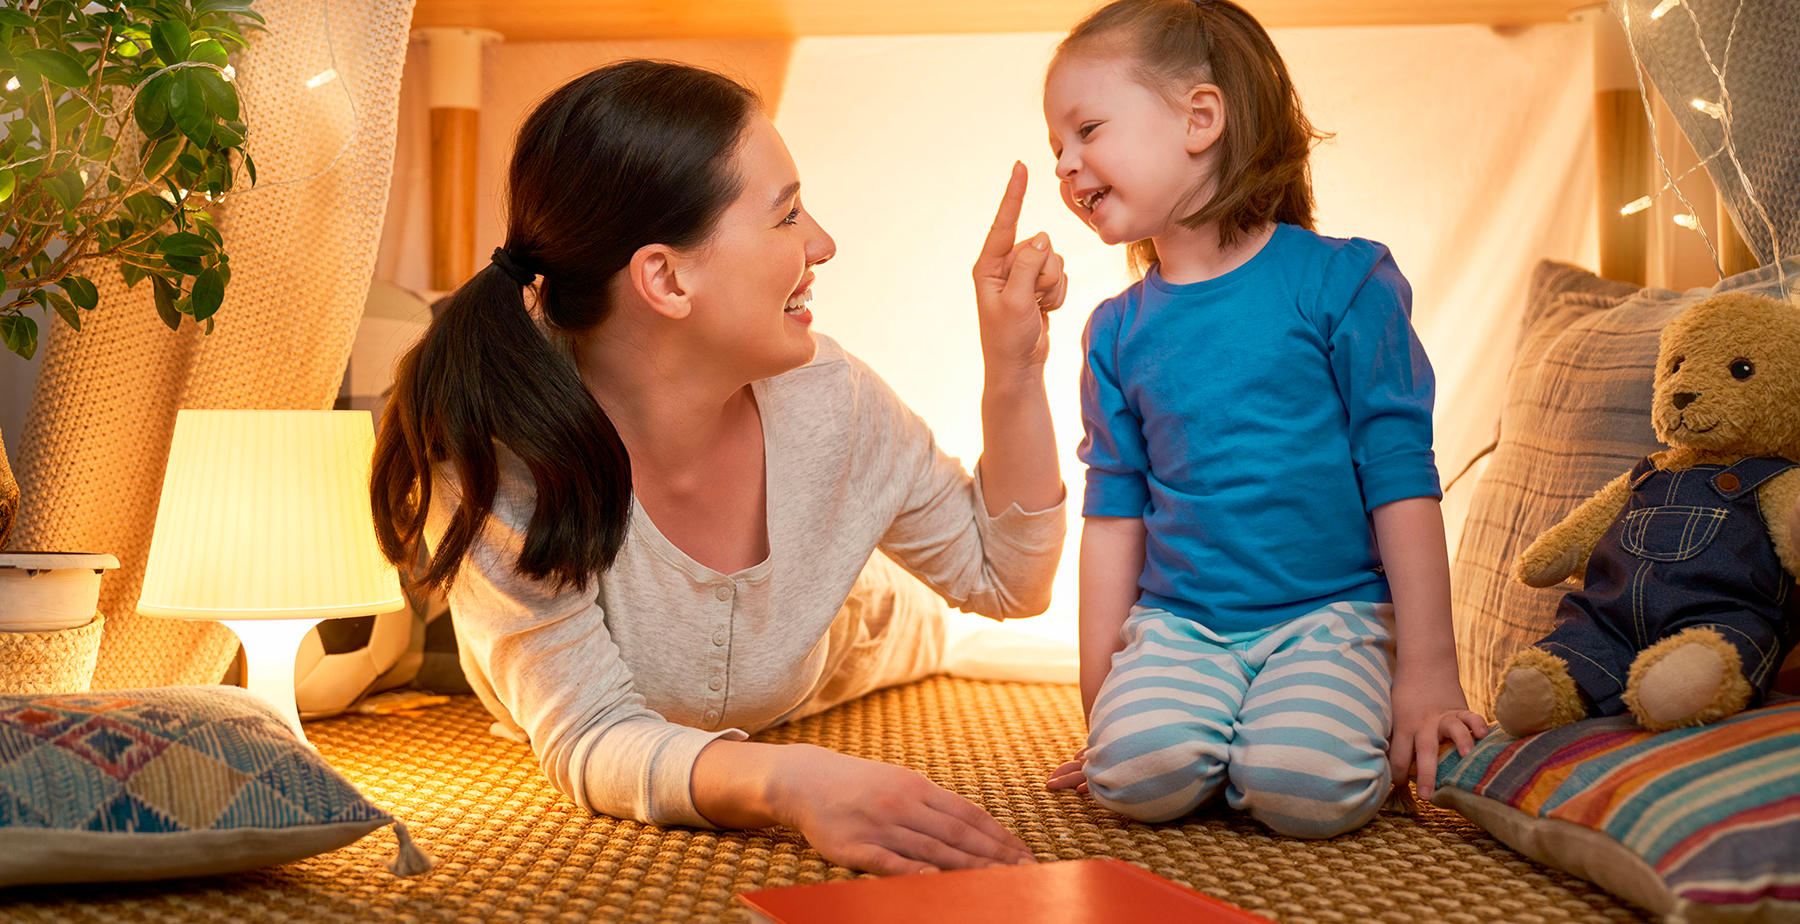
x,y
320,89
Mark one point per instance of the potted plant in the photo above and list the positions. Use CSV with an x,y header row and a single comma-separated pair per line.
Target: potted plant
x,y
120,129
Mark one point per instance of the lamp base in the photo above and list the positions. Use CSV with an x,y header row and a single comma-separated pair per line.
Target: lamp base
x,y
269,649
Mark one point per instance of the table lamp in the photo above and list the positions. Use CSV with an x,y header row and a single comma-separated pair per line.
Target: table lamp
x,y
264,525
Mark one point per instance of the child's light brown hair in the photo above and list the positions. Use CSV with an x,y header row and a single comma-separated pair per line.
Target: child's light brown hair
x,y
1263,172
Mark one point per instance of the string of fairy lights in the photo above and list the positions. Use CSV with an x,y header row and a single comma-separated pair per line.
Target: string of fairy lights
x,y
1719,109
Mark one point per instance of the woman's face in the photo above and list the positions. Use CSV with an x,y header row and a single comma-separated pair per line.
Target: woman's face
x,y
752,279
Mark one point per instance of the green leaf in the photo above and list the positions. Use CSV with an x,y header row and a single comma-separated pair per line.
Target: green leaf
x,y
19,333
65,309
221,96
221,6
229,134
152,106
191,164
8,182
66,194
132,275
209,294
250,165
82,292
209,51
159,153
187,105
58,67
183,244
16,19
186,266
166,293
171,41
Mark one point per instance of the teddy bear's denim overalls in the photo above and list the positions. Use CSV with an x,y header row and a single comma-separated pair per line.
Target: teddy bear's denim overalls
x,y
1691,548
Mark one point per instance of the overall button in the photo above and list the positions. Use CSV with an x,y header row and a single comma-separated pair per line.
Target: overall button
x,y
712,715
719,637
1727,482
722,591
716,683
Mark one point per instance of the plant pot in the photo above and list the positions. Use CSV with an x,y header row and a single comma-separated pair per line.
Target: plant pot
x,y
49,628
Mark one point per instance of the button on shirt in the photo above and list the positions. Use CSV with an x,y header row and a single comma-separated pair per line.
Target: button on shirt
x,y
619,686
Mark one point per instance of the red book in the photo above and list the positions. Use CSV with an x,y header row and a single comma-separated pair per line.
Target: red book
x,y
1096,891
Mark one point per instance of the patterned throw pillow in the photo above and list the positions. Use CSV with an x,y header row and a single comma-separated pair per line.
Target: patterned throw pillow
x,y
1699,824
166,782
1577,413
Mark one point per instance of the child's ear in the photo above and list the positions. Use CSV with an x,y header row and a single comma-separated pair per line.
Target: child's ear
x,y
1205,109
654,272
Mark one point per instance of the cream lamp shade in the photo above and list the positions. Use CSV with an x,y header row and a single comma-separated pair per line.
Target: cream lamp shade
x,y
264,525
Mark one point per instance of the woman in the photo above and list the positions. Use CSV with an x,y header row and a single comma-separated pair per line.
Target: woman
x,y
655,507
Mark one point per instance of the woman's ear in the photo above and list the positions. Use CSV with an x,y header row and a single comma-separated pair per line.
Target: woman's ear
x,y
654,274
1204,107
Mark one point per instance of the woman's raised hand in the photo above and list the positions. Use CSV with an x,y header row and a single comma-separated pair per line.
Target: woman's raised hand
x,y
1016,284
886,819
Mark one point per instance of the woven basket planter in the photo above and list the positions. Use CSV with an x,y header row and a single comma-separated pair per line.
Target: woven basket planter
x,y
50,662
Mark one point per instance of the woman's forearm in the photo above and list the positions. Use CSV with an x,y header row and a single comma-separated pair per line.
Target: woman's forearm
x,y
734,783
1018,458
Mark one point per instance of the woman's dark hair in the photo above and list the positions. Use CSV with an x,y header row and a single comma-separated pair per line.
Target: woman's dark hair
x,y
1263,173
635,153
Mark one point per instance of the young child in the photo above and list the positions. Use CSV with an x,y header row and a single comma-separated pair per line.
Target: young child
x,y
1265,600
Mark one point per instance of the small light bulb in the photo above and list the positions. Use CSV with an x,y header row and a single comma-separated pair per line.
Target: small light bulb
x,y
12,83
1688,221
1710,108
1663,8
230,73
1635,206
321,78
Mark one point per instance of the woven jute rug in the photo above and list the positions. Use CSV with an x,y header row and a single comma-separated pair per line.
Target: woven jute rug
x,y
509,849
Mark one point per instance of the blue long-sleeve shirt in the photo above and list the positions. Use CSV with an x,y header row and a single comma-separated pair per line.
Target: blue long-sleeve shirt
x,y
1253,421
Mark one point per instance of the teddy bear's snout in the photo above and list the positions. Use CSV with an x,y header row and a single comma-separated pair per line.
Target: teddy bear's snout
x,y
1682,399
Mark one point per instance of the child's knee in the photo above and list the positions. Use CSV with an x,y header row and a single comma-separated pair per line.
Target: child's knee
x,y
1309,794
1154,777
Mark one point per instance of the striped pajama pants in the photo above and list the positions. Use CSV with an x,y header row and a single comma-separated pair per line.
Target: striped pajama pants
x,y
1291,722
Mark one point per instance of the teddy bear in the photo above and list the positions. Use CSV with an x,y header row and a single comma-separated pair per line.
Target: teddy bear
x,y
1688,604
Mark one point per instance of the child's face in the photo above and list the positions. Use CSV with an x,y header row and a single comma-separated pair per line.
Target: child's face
x,y
1129,160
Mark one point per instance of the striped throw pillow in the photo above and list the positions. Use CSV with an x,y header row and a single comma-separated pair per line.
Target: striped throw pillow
x,y
1577,413
1698,824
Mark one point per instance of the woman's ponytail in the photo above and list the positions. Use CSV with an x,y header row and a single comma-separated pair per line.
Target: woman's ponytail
x,y
485,374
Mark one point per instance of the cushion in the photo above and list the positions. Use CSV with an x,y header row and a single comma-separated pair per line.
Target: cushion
x,y
162,783
1699,824
1576,414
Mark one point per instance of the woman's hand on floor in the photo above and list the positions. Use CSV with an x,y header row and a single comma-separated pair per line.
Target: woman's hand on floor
x,y
1070,775
885,819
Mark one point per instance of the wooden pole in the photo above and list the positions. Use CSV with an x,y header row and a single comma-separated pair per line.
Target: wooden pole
x,y
1622,166
1734,254
455,148
455,133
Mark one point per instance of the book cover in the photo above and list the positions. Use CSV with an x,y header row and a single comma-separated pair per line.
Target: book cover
x,y
1093,891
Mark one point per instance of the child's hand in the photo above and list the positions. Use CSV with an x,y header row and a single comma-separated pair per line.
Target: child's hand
x,y
1429,709
1069,775
1017,283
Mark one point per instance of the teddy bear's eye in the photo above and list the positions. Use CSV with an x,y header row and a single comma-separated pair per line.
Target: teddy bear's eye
x,y
1675,366
1742,369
